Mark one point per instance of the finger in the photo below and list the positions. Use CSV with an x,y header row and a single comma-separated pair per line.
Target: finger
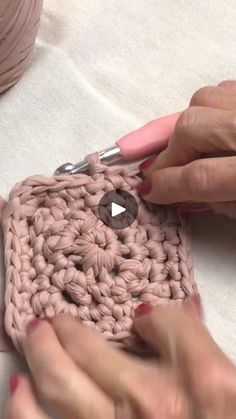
x,y
148,322
199,131
156,395
194,307
189,123
205,180
148,390
228,84
58,379
214,97
226,208
182,340
23,403
108,367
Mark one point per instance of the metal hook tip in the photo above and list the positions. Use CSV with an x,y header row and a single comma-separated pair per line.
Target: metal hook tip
x,y
64,169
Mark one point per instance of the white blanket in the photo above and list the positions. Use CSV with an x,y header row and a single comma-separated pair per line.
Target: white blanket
x,y
102,68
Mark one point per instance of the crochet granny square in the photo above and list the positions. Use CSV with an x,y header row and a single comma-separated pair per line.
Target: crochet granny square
x,y
61,258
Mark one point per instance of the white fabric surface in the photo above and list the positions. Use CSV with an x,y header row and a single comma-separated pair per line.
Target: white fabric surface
x,y
102,68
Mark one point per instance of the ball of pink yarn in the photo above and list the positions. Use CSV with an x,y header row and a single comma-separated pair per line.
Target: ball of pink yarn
x,y
19,23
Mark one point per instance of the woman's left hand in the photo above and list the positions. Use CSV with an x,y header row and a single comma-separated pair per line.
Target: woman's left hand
x,y
80,374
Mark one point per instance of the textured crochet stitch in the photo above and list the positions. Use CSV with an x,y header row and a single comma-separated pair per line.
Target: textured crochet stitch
x,y
61,258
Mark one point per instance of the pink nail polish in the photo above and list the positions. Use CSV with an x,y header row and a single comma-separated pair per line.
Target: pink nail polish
x,y
32,326
196,300
13,383
146,164
145,187
143,309
185,210
193,303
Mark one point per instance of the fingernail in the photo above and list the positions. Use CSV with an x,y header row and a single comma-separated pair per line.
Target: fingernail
x,y
146,164
196,300
143,309
193,303
32,326
145,187
185,210
13,383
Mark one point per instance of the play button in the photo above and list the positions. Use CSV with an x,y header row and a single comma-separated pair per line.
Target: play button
x,y
117,209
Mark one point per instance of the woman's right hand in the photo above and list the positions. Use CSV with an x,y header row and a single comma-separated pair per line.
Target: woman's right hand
x,y
199,164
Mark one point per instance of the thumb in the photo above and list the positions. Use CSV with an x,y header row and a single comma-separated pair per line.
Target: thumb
x,y
207,375
203,180
180,337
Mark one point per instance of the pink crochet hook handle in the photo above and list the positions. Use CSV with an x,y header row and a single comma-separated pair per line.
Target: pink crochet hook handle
x,y
145,141
149,139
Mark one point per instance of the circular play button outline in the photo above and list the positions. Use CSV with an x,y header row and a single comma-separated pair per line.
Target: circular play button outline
x,y
117,209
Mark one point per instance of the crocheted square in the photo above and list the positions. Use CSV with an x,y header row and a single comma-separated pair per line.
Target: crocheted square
x,y
61,258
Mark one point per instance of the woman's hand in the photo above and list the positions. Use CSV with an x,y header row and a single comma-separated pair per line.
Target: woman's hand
x,y
81,375
199,164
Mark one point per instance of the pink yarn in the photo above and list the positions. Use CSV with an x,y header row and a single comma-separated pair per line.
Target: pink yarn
x,y
19,23
61,258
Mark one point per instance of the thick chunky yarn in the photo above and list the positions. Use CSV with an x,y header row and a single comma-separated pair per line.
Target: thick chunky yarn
x,y
61,258
19,23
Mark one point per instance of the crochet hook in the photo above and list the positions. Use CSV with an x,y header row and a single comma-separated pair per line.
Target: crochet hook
x,y
138,144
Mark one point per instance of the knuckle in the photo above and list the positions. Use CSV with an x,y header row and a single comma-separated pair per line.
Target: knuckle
x,y
179,408
185,121
183,129
161,192
197,178
204,96
176,407
186,118
152,398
